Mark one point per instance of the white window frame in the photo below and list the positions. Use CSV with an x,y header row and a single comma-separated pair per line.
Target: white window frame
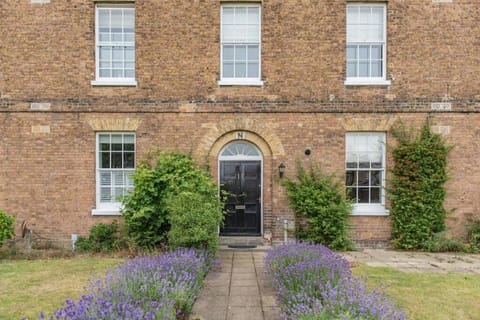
x,y
372,81
100,81
111,208
370,209
242,81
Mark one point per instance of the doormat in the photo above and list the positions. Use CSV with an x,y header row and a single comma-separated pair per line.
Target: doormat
x,y
241,246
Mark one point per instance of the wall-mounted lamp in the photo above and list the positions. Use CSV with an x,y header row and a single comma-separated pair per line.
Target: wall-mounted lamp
x,y
281,170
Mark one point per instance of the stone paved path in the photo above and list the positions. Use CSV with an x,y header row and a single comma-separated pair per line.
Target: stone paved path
x,y
417,261
242,291
239,291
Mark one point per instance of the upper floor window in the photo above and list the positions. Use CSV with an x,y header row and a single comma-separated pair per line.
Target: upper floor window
x,y
115,166
366,44
115,45
365,171
240,44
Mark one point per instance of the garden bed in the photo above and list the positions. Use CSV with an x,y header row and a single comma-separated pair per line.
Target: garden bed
x,y
312,282
157,287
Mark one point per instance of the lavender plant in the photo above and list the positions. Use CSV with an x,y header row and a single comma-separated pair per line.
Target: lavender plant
x,y
314,283
160,287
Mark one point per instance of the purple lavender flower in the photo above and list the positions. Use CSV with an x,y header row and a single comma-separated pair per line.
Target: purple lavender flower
x,y
314,283
147,287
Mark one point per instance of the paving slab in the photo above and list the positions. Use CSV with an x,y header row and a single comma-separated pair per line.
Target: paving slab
x,y
239,291
417,261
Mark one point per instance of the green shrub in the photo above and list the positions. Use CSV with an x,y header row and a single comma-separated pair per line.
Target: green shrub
x,y
6,227
102,238
441,242
320,201
158,178
194,220
473,235
417,193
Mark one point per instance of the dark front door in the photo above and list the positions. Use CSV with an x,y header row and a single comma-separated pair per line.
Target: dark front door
x,y
242,181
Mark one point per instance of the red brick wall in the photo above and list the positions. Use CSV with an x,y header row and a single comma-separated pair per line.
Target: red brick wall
x,y
47,54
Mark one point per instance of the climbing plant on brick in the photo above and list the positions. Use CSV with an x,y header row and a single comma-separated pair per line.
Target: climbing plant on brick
x,y
417,190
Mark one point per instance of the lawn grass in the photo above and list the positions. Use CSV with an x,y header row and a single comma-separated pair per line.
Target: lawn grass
x,y
30,286
429,296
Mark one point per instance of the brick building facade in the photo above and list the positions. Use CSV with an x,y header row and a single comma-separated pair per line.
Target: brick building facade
x,y
201,75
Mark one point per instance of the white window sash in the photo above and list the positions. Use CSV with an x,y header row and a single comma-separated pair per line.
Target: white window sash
x,y
382,80
373,209
256,81
114,207
112,81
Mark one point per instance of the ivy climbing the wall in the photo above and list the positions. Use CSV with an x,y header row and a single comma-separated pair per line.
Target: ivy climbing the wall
x,y
417,190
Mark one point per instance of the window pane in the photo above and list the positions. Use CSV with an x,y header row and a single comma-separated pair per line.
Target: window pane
x,y
228,15
351,69
364,160
352,193
117,73
240,53
240,70
351,52
104,17
117,53
350,178
253,15
129,37
241,16
376,69
118,178
228,52
352,160
129,19
105,178
105,146
377,15
253,70
105,37
129,54
117,160
129,73
129,160
105,73
253,53
117,65
105,195
375,178
363,178
128,138
105,160
363,69
363,195
376,52
363,52
364,17
116,20
352,14
118,194
375,195
228,69
105,53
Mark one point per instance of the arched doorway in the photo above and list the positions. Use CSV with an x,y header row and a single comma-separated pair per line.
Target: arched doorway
x,y
240,166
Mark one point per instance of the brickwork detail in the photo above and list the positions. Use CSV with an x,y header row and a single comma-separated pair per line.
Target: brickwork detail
x,y
113,124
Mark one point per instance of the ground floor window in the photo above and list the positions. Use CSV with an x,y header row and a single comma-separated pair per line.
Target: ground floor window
x,y
365,170
115,166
